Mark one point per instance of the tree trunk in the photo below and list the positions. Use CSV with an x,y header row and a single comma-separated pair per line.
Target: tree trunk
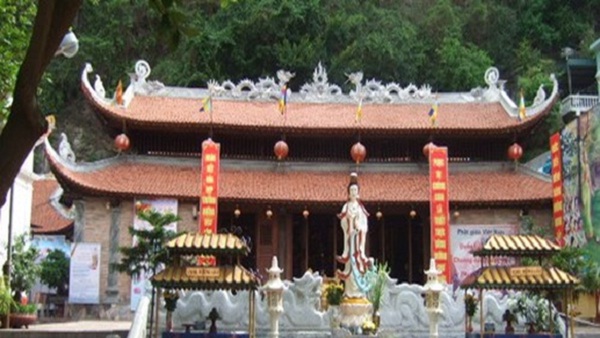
x,y
25,123
597,302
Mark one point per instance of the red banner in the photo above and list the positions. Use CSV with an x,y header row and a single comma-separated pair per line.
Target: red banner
x,y
439,203
557,193
209,193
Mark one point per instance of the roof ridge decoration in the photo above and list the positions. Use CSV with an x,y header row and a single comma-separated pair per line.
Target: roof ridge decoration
x,y
320,90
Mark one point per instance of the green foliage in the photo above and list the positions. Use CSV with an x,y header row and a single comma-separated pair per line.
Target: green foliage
x,y
16,21
149,253
17,307
334,293
471,304
533,308
5,297
376,294
55,271
24,271
447,44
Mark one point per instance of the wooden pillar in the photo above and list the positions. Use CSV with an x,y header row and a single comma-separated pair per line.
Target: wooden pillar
x,y
335,248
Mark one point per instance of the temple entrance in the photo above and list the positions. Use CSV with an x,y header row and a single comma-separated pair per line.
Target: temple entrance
x,y
398,240
314,245
395,239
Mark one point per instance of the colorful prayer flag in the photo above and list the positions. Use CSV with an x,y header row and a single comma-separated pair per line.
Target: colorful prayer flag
x,y
522,113
283,99
359,111
206,105
433,112
119,93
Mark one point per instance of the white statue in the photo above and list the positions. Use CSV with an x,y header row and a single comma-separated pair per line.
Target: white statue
x,y
64,149
354,223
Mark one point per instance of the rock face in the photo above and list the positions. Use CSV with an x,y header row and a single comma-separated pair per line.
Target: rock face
x,y
402,311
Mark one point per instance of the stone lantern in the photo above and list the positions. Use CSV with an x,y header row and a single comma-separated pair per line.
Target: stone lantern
x,y
274,289
433,290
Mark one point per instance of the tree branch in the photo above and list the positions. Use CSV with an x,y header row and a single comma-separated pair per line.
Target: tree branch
x,y
25,123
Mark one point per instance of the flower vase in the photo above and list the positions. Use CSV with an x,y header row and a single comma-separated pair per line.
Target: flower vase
x,y
531,328
469,326
376,320
334,316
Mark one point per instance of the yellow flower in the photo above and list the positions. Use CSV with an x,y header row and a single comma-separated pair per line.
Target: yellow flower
x,y
368,325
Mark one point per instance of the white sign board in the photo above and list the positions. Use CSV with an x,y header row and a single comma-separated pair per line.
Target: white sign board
x,y
84,287
467,238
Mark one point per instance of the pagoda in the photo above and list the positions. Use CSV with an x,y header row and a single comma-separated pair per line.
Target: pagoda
x,y
286,197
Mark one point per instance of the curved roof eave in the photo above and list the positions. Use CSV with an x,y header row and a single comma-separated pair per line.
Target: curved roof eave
x,y
490,111
132,177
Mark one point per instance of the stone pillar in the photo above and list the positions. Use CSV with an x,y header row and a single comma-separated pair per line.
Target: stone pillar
x,y
79,223
112,285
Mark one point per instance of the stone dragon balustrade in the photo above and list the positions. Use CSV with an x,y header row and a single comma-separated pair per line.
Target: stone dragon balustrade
x,y
403,311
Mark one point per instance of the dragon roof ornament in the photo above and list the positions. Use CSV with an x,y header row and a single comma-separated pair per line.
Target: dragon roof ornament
x,y
320,90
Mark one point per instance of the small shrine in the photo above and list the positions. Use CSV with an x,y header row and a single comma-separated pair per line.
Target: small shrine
x,y
518,277
186,274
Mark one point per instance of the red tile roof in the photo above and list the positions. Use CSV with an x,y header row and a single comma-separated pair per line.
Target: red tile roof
x,y
137,178
153,112
45,219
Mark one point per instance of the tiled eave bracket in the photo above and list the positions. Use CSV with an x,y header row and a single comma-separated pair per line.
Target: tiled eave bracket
x,y
129,177
229,278
500,277
517,246
319,108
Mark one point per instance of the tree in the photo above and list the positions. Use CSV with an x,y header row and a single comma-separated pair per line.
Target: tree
x,y
149,253
16,19
23,271
26,123
55,271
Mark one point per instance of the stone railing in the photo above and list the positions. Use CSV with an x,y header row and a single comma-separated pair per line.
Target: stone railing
x,y
576,102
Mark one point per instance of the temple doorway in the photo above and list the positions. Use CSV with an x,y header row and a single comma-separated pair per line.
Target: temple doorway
x,y
315,243
398,240
395,239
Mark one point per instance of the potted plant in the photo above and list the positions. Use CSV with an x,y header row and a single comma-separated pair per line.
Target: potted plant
x,y
22,315
24,271
471,305
376,294
534,309
334,292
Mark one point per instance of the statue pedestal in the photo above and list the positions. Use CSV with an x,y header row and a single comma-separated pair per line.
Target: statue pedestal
x,y
355,311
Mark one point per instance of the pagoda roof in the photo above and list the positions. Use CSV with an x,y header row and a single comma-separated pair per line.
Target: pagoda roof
x,y
48,216
503,277
227,278
517,245
207,244
318,108
272,182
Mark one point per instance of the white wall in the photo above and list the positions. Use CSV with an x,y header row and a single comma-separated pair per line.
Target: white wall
x,y
21,208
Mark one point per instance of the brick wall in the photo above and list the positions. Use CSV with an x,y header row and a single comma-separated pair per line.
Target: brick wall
x,y
97,229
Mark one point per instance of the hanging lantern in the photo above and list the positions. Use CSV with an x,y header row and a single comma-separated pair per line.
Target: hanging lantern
x,y
515,152
413,214
269,213
305,213
122,142
456,214
428,147
281,150
379,214
358,152
237,212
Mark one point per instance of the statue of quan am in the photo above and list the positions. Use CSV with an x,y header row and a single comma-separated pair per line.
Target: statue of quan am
x,y
359,270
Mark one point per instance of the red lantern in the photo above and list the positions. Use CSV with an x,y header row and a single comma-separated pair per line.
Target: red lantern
x,y
122,142
358,152
281,150
428,147
515,152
